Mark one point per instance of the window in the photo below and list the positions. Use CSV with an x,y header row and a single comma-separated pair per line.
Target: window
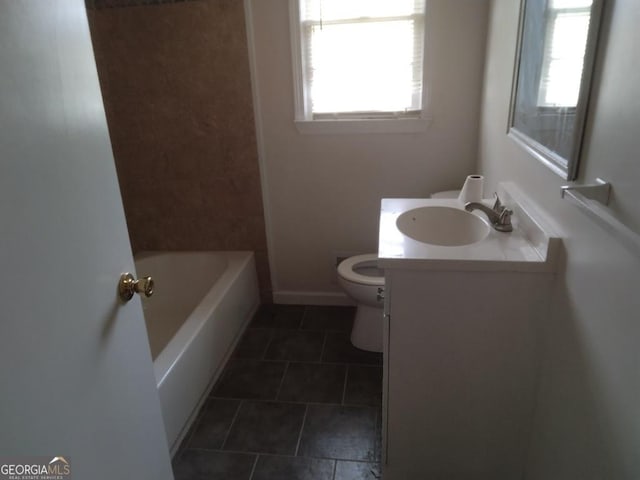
x,y
563,57
358,60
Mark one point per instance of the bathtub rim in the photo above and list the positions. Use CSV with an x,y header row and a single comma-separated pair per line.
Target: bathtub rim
x,y
181,402
193,324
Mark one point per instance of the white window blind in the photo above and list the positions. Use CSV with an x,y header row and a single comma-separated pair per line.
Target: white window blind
x,y
361,58
566,40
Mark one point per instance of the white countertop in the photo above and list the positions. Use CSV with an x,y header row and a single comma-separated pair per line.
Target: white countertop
x,y
527,248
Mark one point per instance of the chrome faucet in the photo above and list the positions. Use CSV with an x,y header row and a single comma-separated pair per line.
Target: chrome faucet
x,y
499,215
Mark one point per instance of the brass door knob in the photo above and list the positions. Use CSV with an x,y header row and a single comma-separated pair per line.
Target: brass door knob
x,y
128,285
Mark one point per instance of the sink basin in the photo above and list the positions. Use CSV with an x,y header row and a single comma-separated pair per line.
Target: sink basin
x,y
444,226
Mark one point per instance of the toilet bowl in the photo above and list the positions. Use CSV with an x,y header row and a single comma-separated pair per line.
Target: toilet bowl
x,y
363,281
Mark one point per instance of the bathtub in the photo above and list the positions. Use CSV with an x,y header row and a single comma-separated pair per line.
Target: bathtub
x,y
201,304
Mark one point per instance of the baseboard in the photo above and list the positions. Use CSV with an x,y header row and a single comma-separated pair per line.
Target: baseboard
x,y
311,298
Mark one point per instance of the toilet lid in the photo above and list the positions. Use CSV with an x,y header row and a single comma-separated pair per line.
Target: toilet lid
x,y
346,270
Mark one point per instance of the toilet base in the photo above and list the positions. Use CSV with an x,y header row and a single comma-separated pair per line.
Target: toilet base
x,y
367,328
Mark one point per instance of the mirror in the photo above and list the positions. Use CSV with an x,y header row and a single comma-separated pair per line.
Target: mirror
x,y
552,78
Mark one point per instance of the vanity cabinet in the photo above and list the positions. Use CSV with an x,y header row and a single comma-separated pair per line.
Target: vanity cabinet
x,y
464,317
461,360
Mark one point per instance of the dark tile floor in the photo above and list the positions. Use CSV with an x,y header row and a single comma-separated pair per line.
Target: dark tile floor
x,y
296,402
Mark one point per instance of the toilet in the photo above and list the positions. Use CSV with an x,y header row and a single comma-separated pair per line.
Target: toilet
x,y
363,281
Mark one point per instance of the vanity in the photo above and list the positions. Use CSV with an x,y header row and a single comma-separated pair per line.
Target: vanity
x,y
462,325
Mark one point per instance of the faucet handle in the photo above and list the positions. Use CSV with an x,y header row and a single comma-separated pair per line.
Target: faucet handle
x,y
505,215
497,206
504,220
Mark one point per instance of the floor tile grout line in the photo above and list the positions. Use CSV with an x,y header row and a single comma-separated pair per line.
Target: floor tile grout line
x,y
355,364
299,402
324,344
233,421
281,455
293,329
304,421
255,464
304,314
270,454
269,360
284,375
344,387
266,348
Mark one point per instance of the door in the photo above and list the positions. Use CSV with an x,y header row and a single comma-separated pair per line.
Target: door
x,y
76,377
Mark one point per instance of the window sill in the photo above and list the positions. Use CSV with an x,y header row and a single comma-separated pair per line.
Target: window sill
x,y
351,126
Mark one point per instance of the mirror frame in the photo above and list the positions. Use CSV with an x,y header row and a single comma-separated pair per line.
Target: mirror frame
x,y
567,168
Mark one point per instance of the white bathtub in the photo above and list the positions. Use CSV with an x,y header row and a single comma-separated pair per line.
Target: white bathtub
x,y
201,304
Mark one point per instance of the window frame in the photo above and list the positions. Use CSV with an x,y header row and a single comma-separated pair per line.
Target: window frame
x,y
351,122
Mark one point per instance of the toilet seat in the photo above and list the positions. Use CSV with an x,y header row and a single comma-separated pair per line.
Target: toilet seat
x,y
346,270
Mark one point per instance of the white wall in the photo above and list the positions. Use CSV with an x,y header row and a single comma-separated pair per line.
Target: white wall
x,y
322,192
587,424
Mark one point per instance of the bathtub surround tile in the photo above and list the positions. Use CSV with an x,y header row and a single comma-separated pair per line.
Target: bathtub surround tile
x,y
364,385
345,433
177,95
250,379
237,232
209,465
293,468
254,343
266,427
313,382
357,471
338,349
296,345
213,426
278,316
328,318
232,194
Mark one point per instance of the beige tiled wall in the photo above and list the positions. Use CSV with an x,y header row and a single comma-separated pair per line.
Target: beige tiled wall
x,y
177,92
